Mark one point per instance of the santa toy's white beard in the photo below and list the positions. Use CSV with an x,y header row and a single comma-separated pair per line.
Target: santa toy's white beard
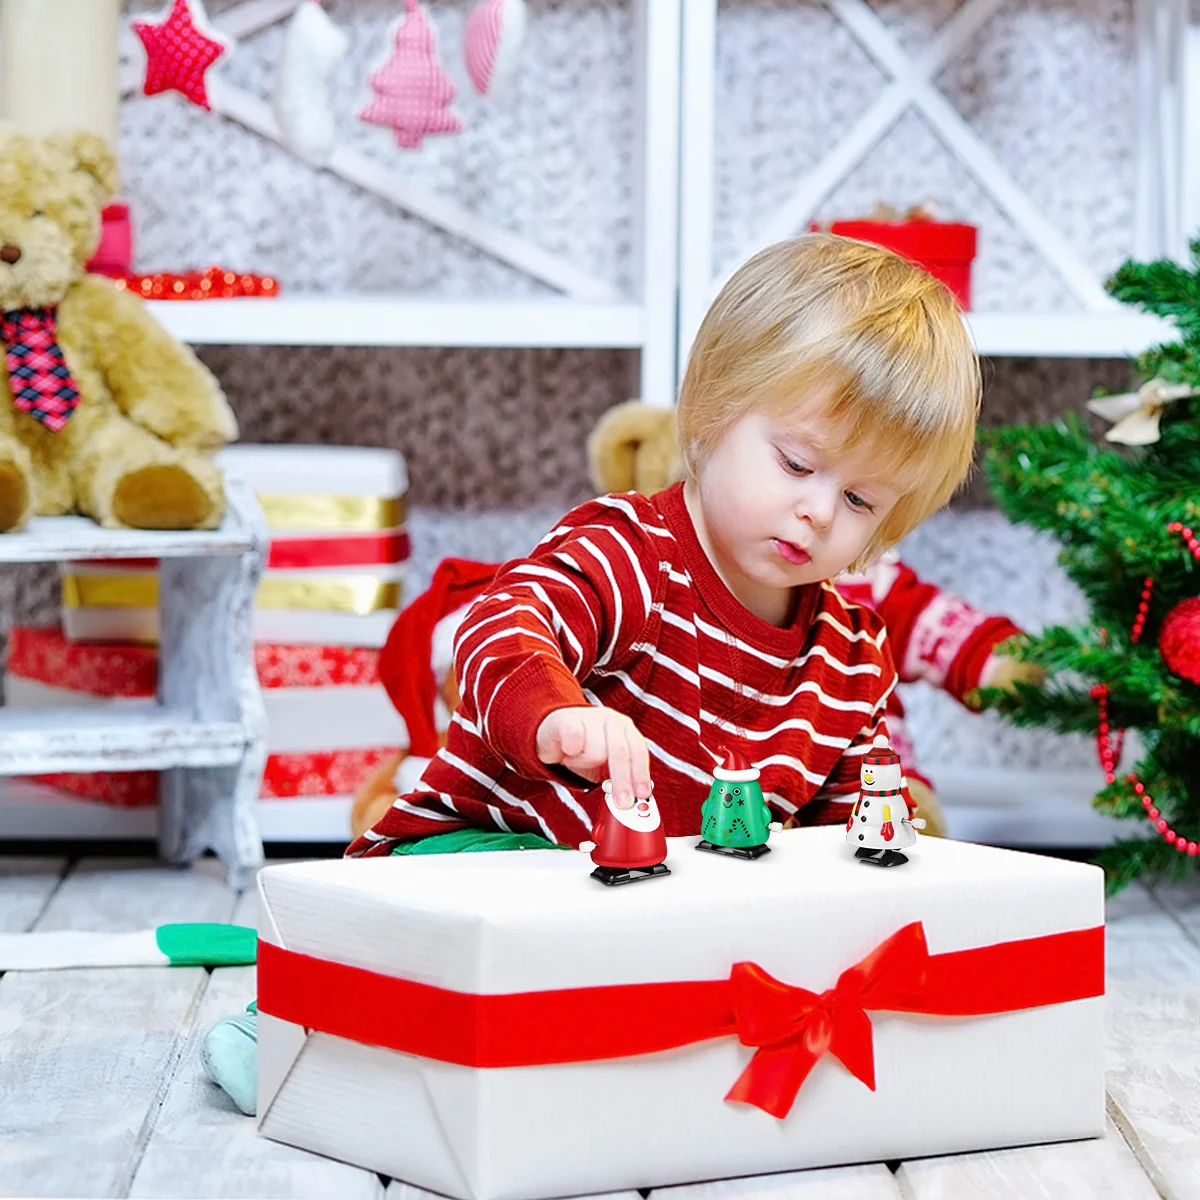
x,y
631,818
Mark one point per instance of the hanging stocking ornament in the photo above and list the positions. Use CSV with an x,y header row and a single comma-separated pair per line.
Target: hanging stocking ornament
x,y
492,43
413,93
179,51
312,48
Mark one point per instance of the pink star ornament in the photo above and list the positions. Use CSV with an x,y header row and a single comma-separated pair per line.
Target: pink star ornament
x,y
179,51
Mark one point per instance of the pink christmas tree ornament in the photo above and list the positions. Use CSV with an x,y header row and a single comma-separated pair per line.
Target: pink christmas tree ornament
x,y
413,93
492,43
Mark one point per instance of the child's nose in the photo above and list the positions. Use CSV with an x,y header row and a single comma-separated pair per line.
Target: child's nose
x,y
816,505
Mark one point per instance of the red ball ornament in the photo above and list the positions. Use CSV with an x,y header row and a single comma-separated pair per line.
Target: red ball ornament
x,y
1179,640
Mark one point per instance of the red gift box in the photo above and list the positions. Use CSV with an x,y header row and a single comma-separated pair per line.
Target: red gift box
x,y
945,249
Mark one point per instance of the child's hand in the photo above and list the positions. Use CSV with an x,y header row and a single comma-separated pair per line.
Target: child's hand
x,y
598,743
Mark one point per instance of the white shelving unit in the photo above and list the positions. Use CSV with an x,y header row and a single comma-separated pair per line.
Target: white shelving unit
x,y
590,313
1102,329
206,730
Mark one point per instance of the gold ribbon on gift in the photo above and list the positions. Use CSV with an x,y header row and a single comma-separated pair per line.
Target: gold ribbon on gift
x,y
358,594
333,514
1137,414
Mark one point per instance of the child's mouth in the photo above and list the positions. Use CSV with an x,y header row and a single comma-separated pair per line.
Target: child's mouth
x,y
790,553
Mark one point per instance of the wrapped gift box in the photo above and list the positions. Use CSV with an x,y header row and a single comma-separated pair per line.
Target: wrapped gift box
x,y
335,571
330,722
946,249
494,1026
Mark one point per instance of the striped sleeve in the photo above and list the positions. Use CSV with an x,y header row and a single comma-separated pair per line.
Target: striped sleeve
x,y
843,780
576,605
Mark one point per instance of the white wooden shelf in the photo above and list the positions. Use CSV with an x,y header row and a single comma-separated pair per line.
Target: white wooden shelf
x,y
32,810
1017,808
341,320
67,539
140,736
206,730
1121,333
336,320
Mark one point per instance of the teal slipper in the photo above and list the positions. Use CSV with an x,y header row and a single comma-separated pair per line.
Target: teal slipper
x,y
230,1058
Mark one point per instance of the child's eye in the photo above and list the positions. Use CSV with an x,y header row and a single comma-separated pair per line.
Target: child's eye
x,y
856,501
792,467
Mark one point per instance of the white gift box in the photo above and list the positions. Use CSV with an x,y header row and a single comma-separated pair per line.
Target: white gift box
x,y
348,501
470,936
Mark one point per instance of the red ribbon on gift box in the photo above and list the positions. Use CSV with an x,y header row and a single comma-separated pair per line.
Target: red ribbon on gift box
x,y
789,1027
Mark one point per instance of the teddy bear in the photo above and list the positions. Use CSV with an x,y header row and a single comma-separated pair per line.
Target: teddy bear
x,y
105,413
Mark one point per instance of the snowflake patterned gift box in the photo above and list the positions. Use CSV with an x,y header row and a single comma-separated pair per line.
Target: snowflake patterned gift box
x,y
329,720
494,1026
335,569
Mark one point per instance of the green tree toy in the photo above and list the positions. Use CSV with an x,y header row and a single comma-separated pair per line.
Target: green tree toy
x,y
735,819
1125,513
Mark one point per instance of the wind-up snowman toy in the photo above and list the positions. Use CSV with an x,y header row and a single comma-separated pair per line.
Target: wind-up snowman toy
x,y
881,824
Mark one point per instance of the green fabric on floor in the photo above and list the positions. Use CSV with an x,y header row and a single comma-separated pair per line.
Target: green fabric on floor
x,y
198,944
469,841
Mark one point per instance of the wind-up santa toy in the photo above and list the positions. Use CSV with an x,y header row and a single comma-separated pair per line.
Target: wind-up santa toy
x,y
627,844
735,819
881,824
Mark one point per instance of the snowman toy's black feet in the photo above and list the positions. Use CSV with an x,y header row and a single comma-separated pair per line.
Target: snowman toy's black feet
x,y
748,852
881,858
612,876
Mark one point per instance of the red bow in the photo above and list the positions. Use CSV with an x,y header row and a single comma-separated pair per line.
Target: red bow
x,y
793,1027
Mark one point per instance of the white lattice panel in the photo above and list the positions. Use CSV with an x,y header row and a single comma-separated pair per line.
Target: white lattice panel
x,y
553,161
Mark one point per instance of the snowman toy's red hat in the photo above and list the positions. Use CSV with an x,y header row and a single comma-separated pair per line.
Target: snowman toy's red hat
x,y
733,766
881,754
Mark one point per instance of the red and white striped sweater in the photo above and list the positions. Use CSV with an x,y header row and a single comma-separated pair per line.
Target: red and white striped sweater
x,y
620,606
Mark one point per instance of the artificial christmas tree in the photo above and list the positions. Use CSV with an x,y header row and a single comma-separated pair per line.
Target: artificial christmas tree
x,y
1125,514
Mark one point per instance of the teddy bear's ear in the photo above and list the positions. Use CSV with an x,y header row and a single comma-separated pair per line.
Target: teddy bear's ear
x,y
93,155
633,448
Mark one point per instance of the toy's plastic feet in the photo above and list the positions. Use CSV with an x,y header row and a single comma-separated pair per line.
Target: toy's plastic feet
x,y
230,1058
612,876
881,858
750,852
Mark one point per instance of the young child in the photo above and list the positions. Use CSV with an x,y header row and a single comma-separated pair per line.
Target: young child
x,y
828,407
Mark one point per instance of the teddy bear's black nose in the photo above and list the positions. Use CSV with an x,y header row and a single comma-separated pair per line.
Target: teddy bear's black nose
x,y
9,253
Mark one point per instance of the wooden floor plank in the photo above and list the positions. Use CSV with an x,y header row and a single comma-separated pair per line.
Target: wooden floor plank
x,y
1145,944
871,1181
26,885
88,1053
1154,1081
1096,1169
202,1146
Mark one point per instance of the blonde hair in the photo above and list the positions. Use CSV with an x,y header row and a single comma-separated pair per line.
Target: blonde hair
x,y
880,341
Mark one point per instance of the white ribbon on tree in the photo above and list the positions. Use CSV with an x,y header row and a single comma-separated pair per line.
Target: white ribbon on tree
x,y
1137,413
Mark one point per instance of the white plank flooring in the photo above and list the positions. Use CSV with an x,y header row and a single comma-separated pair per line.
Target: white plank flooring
x,y
102,1094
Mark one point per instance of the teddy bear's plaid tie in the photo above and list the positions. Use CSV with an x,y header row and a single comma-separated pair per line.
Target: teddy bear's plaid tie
x,y
41,382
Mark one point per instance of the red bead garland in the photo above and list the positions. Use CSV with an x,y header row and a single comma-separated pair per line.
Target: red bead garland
x,y
214,283
1110,755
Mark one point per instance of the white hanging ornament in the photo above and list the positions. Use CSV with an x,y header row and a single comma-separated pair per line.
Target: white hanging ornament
x,y
492,43
312,48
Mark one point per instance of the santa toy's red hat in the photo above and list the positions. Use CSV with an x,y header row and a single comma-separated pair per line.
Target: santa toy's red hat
x,y
406,662
733,766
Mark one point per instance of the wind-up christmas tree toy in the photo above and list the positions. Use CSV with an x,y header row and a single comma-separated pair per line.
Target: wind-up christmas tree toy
x,y
735,817
882,824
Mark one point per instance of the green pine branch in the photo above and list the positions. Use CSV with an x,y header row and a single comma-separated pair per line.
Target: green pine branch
x,y
1162,287
1143,857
